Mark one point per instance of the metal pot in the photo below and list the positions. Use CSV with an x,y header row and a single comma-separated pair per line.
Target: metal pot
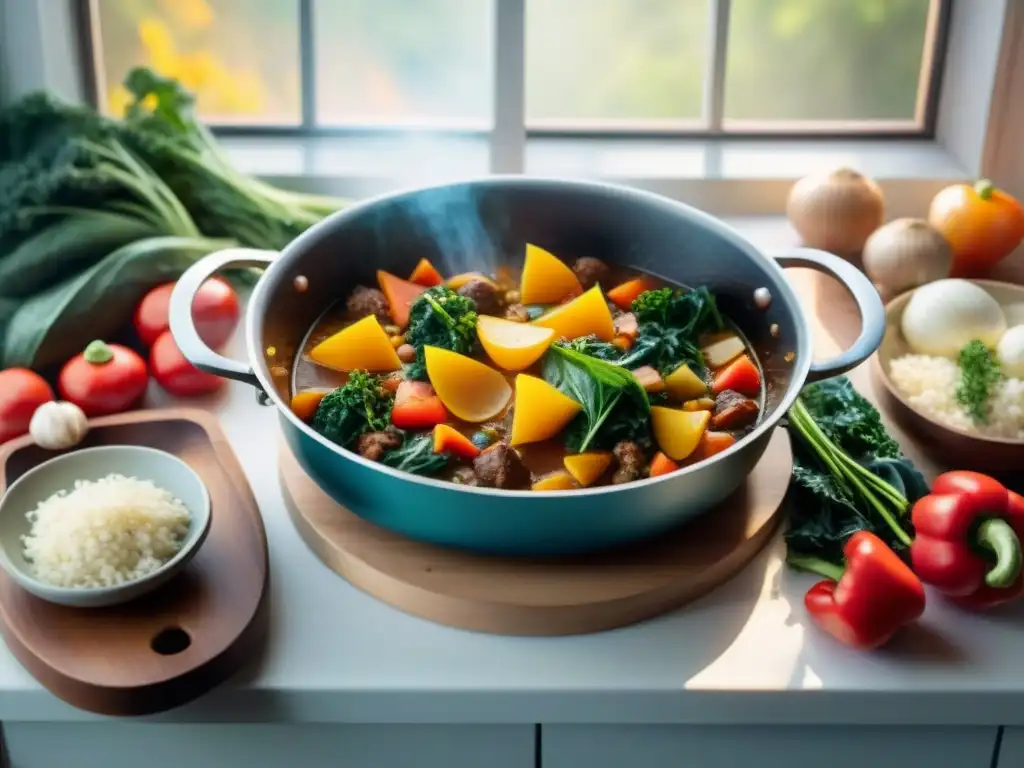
x,y
475,226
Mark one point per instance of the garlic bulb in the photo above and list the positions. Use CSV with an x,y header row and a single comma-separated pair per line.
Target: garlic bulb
x,y
836,211
58,425
906,253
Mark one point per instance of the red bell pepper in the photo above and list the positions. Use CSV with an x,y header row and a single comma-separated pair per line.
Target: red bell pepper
x,y
864,604
969,530
417,407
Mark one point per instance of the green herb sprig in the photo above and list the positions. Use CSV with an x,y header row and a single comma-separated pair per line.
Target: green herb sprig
x,y
979,373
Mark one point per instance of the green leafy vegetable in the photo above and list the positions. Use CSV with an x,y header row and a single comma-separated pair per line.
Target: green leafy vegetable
x,y
848,475
416,455
690,313
615,406
362,405
77,189
440,317
979,373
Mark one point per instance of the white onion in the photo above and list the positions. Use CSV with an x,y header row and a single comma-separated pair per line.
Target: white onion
x,y
906,253
943,317
836,211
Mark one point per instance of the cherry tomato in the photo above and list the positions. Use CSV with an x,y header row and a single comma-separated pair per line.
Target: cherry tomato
x,y
176,374
21,392
214,311
105,378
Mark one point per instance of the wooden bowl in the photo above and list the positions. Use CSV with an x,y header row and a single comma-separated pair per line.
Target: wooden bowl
x,y
953,446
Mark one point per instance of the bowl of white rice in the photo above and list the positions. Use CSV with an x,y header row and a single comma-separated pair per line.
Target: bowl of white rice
x,y
921,392
102,526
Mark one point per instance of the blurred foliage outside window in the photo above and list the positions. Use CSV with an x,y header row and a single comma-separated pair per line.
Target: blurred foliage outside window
x,y
589,62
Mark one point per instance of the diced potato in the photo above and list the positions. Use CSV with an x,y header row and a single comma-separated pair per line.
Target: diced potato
x,y
400,295
678,432
513,346
546,279
587,467
363,345
541,411
471,390
723,351
700,404
559,480
460,280
684,384
585,315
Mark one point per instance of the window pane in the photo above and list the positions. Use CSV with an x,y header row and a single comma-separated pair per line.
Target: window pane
x,y
615,60
241,57
811,60
397,61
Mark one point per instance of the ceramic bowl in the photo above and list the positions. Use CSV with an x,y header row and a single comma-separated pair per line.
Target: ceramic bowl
x,y
956,447
163,469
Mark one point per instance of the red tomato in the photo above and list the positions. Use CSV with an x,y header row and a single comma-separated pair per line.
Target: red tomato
x,y
176,374
21,392
105,378
214,311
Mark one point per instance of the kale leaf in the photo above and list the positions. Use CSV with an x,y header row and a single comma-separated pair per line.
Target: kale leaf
x,y
849,420
440,317
689,313
416,455
615,406
362,405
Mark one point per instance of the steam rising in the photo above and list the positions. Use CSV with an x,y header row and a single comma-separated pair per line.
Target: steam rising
x,y
451,217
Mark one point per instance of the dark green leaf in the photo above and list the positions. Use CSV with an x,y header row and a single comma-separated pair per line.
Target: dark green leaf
x,y
57,323
416,455
362,405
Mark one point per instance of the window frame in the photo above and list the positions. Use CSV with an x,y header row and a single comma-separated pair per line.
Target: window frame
x,y
981,66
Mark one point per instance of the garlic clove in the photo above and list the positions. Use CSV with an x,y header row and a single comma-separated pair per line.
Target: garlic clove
x,y
57,426
836,211
906,253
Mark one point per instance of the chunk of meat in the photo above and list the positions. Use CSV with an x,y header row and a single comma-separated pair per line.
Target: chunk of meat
x,y
517,313
631,461
465,476
368,301
590,271
501,467
484,295
733,410
373,445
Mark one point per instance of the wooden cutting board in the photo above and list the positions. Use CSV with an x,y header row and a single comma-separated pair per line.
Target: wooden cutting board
x,y
175,644
544,596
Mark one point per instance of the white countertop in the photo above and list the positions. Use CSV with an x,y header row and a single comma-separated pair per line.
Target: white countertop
x,y
742,654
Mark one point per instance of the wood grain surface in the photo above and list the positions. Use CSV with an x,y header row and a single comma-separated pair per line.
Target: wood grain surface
x,y
543,596
178,642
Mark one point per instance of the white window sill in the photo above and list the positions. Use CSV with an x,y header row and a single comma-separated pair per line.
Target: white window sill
x,y
724,177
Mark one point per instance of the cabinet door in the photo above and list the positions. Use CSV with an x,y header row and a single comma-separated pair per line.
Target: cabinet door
x,y
156,745
671,746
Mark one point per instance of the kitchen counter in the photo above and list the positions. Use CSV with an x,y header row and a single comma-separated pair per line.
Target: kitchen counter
x,y
741,658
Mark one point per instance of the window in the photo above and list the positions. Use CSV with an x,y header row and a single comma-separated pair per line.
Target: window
x,y
588,67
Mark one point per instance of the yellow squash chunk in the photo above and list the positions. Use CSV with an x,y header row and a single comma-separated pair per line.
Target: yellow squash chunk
x,y
457,281
469,389
363,345
541,411
585,315
559,480
678,432
684,384
513,346
546,279
723,350
700,404
587,467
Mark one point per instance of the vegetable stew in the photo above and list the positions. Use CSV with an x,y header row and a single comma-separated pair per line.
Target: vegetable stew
x,y
554,377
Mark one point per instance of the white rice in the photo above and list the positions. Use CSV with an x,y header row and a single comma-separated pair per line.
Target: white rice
x,y
104,532
929,384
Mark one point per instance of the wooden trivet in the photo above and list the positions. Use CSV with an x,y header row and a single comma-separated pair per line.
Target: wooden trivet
x,y
175,644
562,596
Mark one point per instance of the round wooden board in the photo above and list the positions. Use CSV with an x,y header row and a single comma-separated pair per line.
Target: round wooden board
x,y
563,596
175,644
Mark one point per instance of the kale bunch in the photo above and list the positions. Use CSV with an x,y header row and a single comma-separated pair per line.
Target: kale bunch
x,y
440,317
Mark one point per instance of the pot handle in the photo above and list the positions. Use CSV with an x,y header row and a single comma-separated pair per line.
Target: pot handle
x,y
872,311
180,313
